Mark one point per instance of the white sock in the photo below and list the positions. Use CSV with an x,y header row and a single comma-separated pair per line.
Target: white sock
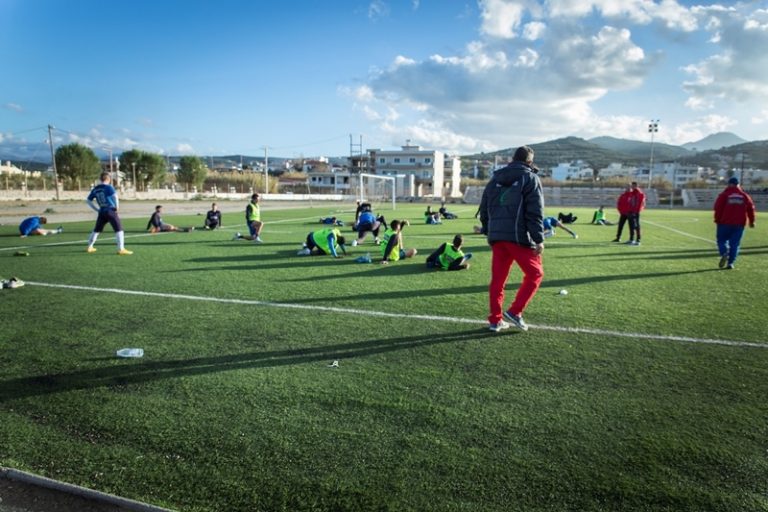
x,y
92,238
120,235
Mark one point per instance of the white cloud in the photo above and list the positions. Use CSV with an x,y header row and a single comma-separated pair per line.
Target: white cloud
x,y
700,128
378,9
501,18
761,117
537,68
184,149
669,12
739,72
534,30
14,106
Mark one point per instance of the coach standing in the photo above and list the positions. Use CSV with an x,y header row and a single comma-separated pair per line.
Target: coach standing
x,y
733,208
636,205
511,213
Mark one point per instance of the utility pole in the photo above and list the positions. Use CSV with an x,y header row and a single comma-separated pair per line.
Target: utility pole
x,y
266,169
741,176
53,162
653,127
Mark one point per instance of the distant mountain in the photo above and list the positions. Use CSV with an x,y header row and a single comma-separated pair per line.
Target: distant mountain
x,y
715,141
551,153
641,150
750,154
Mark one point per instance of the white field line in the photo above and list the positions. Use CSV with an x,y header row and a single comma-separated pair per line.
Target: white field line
x,y
435,318
662,226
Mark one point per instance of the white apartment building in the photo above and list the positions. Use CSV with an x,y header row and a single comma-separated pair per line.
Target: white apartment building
x,y
419,172
578,170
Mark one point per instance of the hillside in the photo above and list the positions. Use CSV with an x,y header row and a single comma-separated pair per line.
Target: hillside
x,y
551,153
715,141
755,155
641,150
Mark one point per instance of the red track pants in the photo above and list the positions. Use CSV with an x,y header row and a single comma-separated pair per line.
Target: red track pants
x,y
504,254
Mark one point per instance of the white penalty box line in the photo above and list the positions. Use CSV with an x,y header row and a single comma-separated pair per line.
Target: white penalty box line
x,y
400,316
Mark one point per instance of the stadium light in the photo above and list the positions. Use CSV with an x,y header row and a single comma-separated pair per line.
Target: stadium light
x,y
653,127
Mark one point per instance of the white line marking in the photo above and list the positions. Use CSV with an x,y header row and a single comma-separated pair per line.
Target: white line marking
x,y
662,226
570,330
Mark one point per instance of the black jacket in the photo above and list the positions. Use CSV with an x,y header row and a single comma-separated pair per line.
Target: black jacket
x,y
512,207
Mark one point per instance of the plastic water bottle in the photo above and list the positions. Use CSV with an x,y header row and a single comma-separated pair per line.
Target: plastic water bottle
x,y
130,352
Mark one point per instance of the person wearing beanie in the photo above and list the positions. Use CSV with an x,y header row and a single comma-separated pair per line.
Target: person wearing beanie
x,y
734,208
512,217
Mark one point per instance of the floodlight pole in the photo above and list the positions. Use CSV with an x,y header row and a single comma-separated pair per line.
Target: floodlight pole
x,y
653,127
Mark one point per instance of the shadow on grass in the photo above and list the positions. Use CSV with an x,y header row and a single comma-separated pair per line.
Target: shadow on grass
x,y
511,287
142,371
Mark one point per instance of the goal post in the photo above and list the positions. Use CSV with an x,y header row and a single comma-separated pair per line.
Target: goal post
x,y
374,186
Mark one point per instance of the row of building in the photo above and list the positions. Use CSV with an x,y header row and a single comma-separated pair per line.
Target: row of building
x,y
418,172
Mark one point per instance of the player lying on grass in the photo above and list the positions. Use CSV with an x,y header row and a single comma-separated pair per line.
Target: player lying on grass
x,y
324,241
550,223
450,257
156,224
31,226
332,221
392,243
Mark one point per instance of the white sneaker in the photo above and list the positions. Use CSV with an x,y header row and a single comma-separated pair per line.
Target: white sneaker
x,y
500,326
304,252
354,243
237,236
258,240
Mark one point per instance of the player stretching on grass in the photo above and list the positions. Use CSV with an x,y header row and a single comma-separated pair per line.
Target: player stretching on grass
x,y
156,224
103,200
253,220
324,241
31,226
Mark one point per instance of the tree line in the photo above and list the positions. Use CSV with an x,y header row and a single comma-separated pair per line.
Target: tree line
x,y
76,164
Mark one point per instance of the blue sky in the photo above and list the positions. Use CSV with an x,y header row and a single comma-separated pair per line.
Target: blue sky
x,y
230,76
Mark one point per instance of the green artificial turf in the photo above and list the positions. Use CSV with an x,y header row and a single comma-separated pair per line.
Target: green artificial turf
x,y
643,388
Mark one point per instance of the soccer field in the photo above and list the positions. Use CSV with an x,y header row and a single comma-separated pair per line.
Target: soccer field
x,y
643,388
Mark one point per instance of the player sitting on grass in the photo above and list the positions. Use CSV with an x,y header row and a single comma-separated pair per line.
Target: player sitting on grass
x,y
156,224
449,257
213,218
431,217
445,214
392,244
31,226
599,218
324,241
550,223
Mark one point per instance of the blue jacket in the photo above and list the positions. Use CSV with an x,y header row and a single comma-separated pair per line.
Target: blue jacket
x,y
512,207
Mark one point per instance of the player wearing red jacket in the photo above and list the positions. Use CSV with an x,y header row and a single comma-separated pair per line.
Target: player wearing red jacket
x,y
622,205
636,205
733,209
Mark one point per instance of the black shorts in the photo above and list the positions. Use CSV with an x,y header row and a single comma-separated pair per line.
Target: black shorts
x,y
108,217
